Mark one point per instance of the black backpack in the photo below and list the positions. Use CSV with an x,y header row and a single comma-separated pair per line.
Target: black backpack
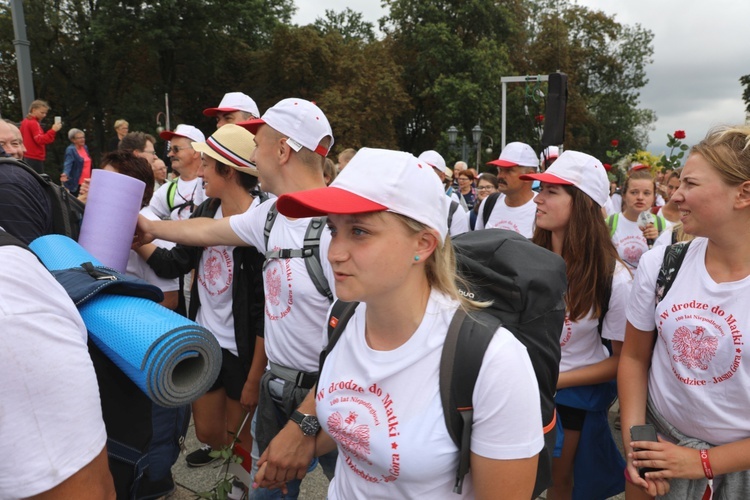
x,y
526,284
67,210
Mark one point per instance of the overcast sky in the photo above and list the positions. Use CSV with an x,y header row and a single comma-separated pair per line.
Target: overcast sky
x,y
701,48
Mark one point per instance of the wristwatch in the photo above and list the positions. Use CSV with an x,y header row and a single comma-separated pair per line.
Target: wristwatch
x,y
308,423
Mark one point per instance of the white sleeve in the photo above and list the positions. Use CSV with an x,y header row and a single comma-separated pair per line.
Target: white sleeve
x,y
507,414
480,220
665,238
250,224
460,222
51,413
158,202
642,303
613,327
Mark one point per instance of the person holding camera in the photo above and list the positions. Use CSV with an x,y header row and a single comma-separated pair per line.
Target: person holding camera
x,y
35,138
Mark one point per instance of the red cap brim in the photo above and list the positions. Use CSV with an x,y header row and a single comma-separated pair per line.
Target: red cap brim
x,y
167,135
640,166
503,163
253,125
545,177
324,201
216,111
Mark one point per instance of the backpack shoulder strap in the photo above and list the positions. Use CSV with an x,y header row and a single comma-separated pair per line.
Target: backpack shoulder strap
x,y
604,306
612,223
270,220
312,256
489,204
451,211
674,255
310,250
660,222
341,313
465,344
171,191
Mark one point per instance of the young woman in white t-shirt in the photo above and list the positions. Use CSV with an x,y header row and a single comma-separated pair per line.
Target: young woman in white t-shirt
x,y
637,196
568,222
691,380
378,397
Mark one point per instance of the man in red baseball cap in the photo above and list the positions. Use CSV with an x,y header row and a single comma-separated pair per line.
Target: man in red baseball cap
x,y
513,207
234,107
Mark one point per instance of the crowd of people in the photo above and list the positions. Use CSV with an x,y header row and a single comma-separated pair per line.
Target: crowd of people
x,y
258,233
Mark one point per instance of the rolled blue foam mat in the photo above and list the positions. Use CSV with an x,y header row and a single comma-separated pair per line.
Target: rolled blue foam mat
x,y
171,359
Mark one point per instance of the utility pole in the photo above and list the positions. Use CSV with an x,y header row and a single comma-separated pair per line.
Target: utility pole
x,y
23,56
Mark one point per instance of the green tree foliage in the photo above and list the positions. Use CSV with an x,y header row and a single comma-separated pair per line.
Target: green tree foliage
x,y
99,60
433,65
606,67
357,84
348,23
453,56
745,81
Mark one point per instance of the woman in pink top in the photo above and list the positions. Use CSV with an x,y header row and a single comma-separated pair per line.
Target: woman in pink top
x,y
77,164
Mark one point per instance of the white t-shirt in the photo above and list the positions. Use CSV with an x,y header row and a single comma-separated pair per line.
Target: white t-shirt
x,y
616,200
383,409
580,343
215,275
609,207
629,241
186,191
139,268
295,310
699,378
519,219
51,419
460,222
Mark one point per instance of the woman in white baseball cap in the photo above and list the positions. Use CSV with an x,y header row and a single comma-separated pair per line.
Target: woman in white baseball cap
x,y
378,396
569,222
227,292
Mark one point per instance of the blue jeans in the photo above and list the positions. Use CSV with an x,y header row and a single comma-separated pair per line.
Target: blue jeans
x,y
327,462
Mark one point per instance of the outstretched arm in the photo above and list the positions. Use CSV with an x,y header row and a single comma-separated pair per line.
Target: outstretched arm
x,y
199,231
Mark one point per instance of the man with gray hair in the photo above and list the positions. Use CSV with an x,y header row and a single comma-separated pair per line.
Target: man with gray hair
x,y
11,140
514,206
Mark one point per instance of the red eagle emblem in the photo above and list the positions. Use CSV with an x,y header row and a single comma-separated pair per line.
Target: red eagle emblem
x,y
695,348
353,438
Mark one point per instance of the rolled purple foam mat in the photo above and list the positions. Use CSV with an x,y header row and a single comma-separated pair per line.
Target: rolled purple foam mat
x,y
110,218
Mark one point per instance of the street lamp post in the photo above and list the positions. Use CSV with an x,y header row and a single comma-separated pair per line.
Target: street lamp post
x,y
476,136
452,137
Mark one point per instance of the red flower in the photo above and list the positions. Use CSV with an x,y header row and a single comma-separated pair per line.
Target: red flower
x,y
615,143
679,134
539,118
607,167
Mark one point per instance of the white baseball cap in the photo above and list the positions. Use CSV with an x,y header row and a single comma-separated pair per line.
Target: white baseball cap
x,y
435,160
234,101
577,169
377,180
516,154
301,121
549,153
183,130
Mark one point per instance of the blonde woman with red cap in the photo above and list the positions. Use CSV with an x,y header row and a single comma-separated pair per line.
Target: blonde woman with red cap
x,y
568,222
378,397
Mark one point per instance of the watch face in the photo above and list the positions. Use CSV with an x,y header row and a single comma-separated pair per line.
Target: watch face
x,y
310,425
